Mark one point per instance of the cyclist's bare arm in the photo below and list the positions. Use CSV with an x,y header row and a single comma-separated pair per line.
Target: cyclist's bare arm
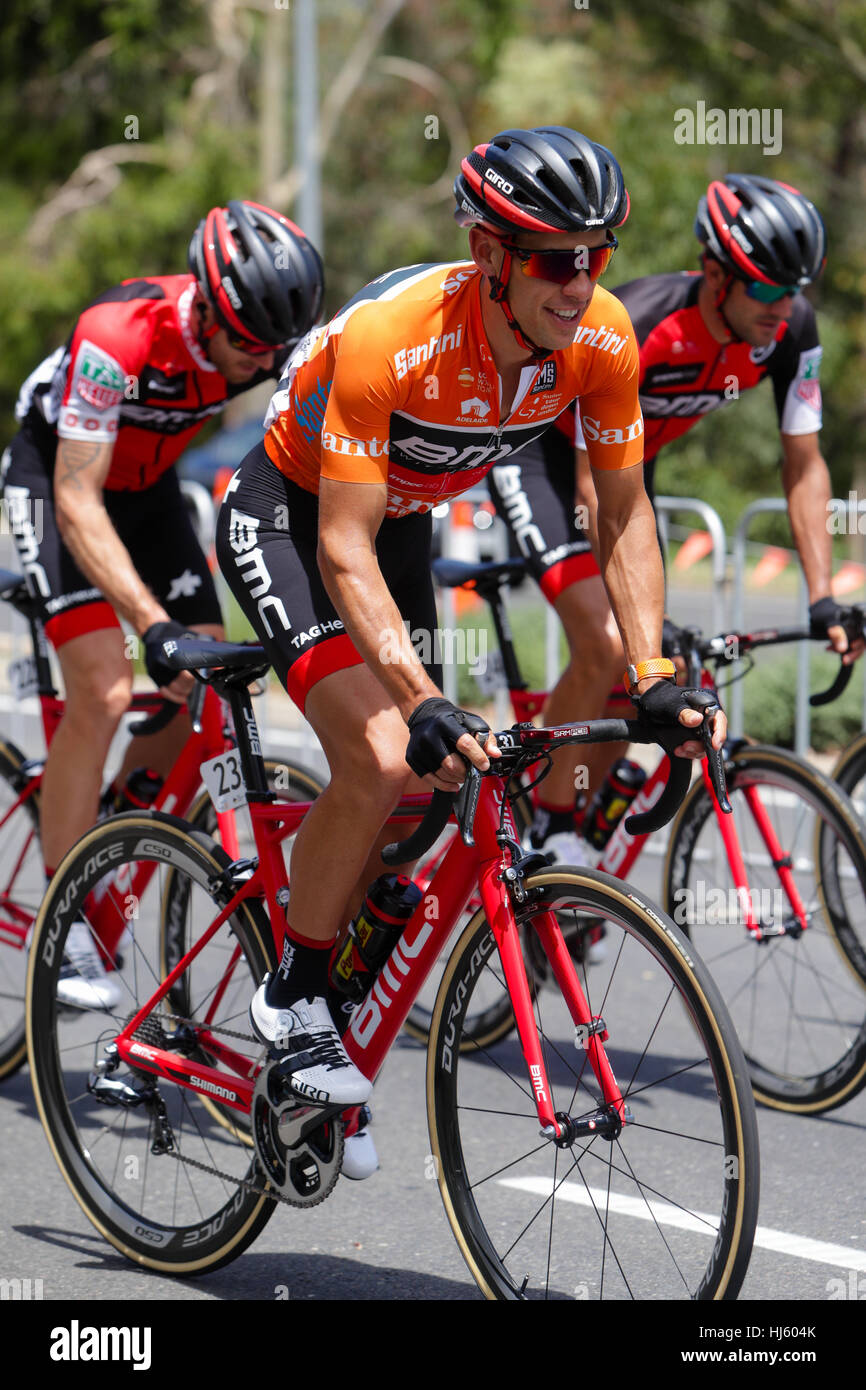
x,y
585,496
806,480
631,567
87,531
350,515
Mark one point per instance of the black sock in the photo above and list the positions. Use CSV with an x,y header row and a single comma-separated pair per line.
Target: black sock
x,y
548,822
302,972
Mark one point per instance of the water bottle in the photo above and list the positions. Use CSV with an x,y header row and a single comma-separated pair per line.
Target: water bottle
x,y
612,800
387,907
139,791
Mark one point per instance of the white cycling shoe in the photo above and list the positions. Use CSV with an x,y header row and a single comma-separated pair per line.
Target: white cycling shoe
x,y
567,847
84,981
360,1159
305,1035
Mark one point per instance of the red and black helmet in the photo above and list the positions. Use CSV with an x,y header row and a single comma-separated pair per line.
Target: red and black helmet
x,y
260,274
548,179
759,229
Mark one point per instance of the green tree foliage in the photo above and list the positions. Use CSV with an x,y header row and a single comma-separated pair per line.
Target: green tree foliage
x,y
439,75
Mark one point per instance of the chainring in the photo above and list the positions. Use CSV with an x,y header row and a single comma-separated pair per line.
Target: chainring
x,y
301,1162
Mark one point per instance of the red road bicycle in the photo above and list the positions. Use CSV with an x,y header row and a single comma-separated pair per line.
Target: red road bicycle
x,y
610,1150
22,874
773,896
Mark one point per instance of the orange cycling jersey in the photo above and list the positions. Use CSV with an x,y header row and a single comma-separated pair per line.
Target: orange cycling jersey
x,y
401,388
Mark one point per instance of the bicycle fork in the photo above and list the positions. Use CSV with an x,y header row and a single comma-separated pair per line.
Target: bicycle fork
x,y
779,858
590,1033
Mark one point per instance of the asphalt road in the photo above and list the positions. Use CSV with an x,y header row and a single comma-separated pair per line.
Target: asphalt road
x,y
388,1238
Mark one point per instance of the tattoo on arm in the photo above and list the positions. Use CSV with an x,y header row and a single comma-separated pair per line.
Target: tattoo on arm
x,y
74,457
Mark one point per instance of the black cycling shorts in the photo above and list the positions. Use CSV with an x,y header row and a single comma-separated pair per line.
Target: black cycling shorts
x,y
534,493
154,525
266,542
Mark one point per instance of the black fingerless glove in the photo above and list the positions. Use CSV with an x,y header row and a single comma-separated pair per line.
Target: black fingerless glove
x,y
159,641
434,728
823,614
664,702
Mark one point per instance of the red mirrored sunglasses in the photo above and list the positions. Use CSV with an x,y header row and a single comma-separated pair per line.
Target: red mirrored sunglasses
x,y
251,349
561,266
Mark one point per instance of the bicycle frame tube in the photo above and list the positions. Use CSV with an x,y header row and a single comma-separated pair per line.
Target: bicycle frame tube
x,y
779,858
107,912
379,1018
622,849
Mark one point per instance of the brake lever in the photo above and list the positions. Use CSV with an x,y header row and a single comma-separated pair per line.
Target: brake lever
x,y
467,804
715,761
669,737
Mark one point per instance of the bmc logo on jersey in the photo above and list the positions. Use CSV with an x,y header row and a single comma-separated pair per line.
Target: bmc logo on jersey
x,y
592,430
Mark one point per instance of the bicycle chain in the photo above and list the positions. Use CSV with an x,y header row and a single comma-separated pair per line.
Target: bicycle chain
x,y
230,1178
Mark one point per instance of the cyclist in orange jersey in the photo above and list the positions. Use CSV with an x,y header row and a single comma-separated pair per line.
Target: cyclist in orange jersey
x,y
410,394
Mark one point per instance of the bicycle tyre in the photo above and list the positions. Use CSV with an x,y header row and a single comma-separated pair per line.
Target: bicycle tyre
x,y
850,771
672,1044
22,883
288,780
138,1202
798,1002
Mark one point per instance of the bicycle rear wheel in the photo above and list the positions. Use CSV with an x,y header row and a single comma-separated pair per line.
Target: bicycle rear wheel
x,y
665,1210
290,782
200,1198
850,773
797,998
22,883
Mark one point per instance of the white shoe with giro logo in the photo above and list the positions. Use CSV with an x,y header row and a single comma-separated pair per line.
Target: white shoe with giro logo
x,y
306,1037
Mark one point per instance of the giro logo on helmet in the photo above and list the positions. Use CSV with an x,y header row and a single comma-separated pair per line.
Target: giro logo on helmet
x,y
499,181
233,296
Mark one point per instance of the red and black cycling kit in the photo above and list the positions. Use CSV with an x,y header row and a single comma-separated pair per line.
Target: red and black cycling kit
x,y
131,373
400,389
684,375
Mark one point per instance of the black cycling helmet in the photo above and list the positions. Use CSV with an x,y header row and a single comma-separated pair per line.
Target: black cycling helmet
x,y
759,229
259,272
549,179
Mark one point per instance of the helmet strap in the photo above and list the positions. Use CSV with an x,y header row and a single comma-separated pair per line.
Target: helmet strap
x,y
202,334
719,306
498,293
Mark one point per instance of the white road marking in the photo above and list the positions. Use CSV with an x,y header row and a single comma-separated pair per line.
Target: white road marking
x,y
782,1242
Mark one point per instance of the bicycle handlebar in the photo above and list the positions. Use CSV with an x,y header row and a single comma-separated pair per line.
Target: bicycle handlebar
x,y
730,646
160,719
525,743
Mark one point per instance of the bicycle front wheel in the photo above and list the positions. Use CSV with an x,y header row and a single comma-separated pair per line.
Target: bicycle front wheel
x,y
22,883
797,996
150,1165
667,1209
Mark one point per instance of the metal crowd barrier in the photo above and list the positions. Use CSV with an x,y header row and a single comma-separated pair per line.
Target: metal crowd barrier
x,y
727,600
